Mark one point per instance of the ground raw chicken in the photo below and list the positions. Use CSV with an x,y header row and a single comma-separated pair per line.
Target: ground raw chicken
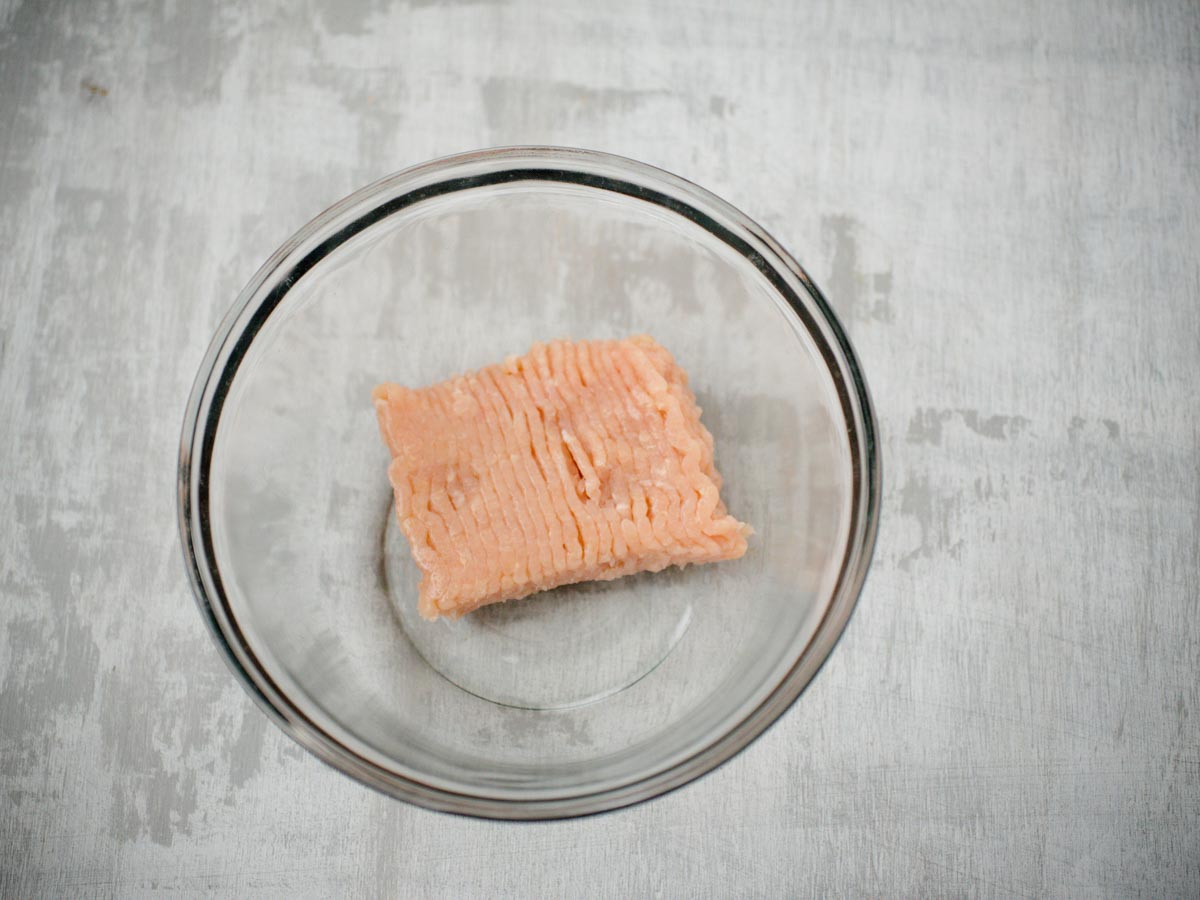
x,y
581,460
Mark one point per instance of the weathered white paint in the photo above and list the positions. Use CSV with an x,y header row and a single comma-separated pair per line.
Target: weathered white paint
x,y
1004,205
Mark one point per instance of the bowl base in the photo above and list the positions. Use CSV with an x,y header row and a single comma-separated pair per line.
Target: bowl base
x,y
557,649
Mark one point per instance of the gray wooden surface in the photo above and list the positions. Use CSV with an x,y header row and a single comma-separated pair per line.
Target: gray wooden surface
x,y
1002,200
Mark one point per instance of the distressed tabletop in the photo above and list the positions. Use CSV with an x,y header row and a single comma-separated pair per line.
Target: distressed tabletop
x,y
1003,204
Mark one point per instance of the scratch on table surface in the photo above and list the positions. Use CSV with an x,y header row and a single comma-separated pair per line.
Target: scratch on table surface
x,y
927,424
560,100
247,750
855,294
92,89
934,511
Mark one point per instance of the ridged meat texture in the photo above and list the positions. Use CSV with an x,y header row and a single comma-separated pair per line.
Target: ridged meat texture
x,y
581,460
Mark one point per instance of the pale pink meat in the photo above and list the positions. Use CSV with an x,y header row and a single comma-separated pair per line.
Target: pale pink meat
x,y
579,461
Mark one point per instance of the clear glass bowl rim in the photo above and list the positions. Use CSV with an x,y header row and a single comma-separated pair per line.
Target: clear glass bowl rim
x,y
462,171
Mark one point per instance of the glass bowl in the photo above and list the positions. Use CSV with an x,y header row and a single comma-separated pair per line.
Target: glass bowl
x,y
588,697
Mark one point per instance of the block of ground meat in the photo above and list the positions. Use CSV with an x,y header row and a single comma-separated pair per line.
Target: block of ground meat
x,y
580,460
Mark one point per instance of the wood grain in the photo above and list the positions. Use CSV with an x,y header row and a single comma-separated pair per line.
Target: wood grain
x,y
1003,204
